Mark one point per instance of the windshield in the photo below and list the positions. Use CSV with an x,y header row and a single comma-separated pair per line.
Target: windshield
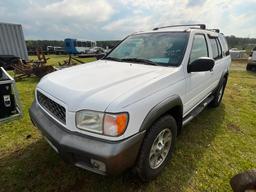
x,y
165,49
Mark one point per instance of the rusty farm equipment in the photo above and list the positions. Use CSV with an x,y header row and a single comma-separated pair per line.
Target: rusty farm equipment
x,y
38,68
71,61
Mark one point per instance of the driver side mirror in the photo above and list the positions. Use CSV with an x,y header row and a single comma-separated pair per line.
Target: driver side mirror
x,y
201,64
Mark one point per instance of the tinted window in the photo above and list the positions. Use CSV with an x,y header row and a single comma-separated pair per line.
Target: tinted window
x,y
214,46
166,49
199,48
224,45
219,48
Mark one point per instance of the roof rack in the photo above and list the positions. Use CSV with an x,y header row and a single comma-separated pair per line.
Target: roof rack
x,y
202,26
215,30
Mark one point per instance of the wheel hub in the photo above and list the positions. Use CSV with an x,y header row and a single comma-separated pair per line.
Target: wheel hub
x,y
160,148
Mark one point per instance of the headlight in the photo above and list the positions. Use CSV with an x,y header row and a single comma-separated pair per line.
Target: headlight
x,y
107,124
89,120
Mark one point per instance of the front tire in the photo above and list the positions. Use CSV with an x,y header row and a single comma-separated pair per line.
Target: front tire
x,y
157,148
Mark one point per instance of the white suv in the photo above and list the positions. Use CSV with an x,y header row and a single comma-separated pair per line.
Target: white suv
x,y
126,109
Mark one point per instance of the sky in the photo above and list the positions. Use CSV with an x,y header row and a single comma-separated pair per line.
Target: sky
x,y
115,19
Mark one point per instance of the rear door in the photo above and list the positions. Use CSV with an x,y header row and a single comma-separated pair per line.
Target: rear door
x,y
219,65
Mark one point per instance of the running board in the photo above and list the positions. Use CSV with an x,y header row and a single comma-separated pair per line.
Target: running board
x,y
197,110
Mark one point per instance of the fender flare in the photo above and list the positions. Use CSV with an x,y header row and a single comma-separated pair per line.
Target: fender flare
x,y
161,108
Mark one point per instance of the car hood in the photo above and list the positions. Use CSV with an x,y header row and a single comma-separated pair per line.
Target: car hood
x,y
95,85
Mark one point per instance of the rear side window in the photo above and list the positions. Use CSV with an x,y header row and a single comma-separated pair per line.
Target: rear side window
x,y
219,48
199,48
224,45
216,48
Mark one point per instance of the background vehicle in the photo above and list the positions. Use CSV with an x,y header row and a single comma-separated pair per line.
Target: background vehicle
x,y
126,110
50,49
12,44
74,46
251,66
59,51
96,50
237,54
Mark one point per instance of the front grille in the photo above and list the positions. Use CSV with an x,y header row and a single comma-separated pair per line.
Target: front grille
x,y
55,109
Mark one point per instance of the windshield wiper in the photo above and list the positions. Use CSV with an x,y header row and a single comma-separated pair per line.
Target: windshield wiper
x,y
137,60
113,59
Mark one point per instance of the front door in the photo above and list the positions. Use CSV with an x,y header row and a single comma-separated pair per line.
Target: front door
x,y
197,82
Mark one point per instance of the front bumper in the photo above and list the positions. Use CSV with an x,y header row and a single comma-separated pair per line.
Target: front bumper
x,y
97,155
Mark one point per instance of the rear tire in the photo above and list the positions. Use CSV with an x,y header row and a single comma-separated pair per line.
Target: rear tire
x,y
157,148
218,94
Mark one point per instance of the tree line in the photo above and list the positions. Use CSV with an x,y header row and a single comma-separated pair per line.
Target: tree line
x,y
233,42
34,44
241,43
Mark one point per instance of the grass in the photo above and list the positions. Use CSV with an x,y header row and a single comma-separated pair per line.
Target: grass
x,y
216,145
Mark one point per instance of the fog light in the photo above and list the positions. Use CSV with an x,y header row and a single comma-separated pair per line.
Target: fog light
x,y
98,165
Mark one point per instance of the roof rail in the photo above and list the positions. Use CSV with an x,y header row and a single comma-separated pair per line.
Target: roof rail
x,y
202,26
215,30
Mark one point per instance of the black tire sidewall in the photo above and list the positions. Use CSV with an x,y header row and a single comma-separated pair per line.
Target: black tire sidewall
x,y
215,102
222,87
144,170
